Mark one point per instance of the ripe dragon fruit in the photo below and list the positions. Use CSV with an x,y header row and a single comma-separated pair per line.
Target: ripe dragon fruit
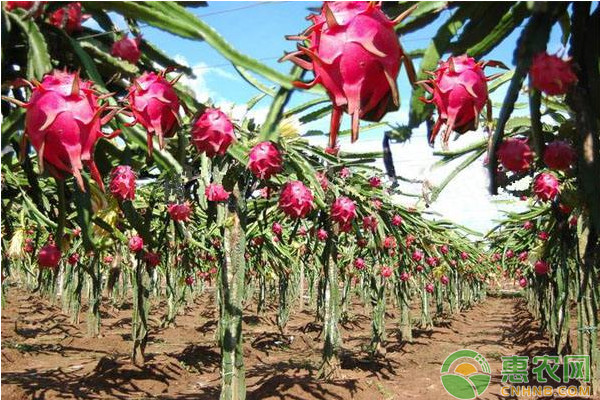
x,y
322,235
128,49
122,182
68,18
389,242
49,256
345,173
362,242
153,259
523,256
386,271
444,249
396,220
343,211
355,54
420,268
189,280
523,282
108,259
216,192
551,74
432,261
136,243
444,280
30,6
212,132
528,225
63,121
404,276
541,267
509,254
417,255
296,200
155,105
359,263
73,259
264,160
543,235
370,223
180,212
459,92
277,229
464,255
429,287
545,186
515,155
375,182
559,155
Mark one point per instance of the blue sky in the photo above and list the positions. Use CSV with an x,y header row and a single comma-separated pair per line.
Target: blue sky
x,y
258,29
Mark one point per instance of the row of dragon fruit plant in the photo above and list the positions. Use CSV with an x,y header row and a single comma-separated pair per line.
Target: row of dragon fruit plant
x,y
241,173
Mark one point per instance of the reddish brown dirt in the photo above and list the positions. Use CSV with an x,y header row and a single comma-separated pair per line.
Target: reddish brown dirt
x,y
46,357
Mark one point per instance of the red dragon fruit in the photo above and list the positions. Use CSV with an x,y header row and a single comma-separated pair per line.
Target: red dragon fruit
x,y
559,155
375,182
153,259
189,280
136,243
359,263
345,173
459,92
265,160
396,220
128,49
155,105
68,18
296,200
523,282
432,261
509,254
551,74
528,225
464,255
179,212
444,249
322,235
362,242
417,255
545,186
444,280
515,155
27,5
108,259
389,242
370,223
404,276
49,256
73,259
122,182
277,229
523,256
386,271
355,54
541,267
543,235
429,287
420,268
216,192
212,132
343,211
63,122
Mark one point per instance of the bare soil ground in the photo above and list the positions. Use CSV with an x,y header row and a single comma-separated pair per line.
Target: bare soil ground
x,y
46,357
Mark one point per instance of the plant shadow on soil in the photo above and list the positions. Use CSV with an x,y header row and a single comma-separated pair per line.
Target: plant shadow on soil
x,y
46,357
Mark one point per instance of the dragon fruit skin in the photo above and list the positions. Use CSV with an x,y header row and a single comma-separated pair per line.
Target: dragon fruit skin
x,y
216,192
212,132
355,54
515,155
343,211
559,155
429,288
296,200
122,183
180,212
541,267
551,74
359,263
49,256
459,92
136,244
68,18
264,160
155,106
546,186
128,49
63,121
